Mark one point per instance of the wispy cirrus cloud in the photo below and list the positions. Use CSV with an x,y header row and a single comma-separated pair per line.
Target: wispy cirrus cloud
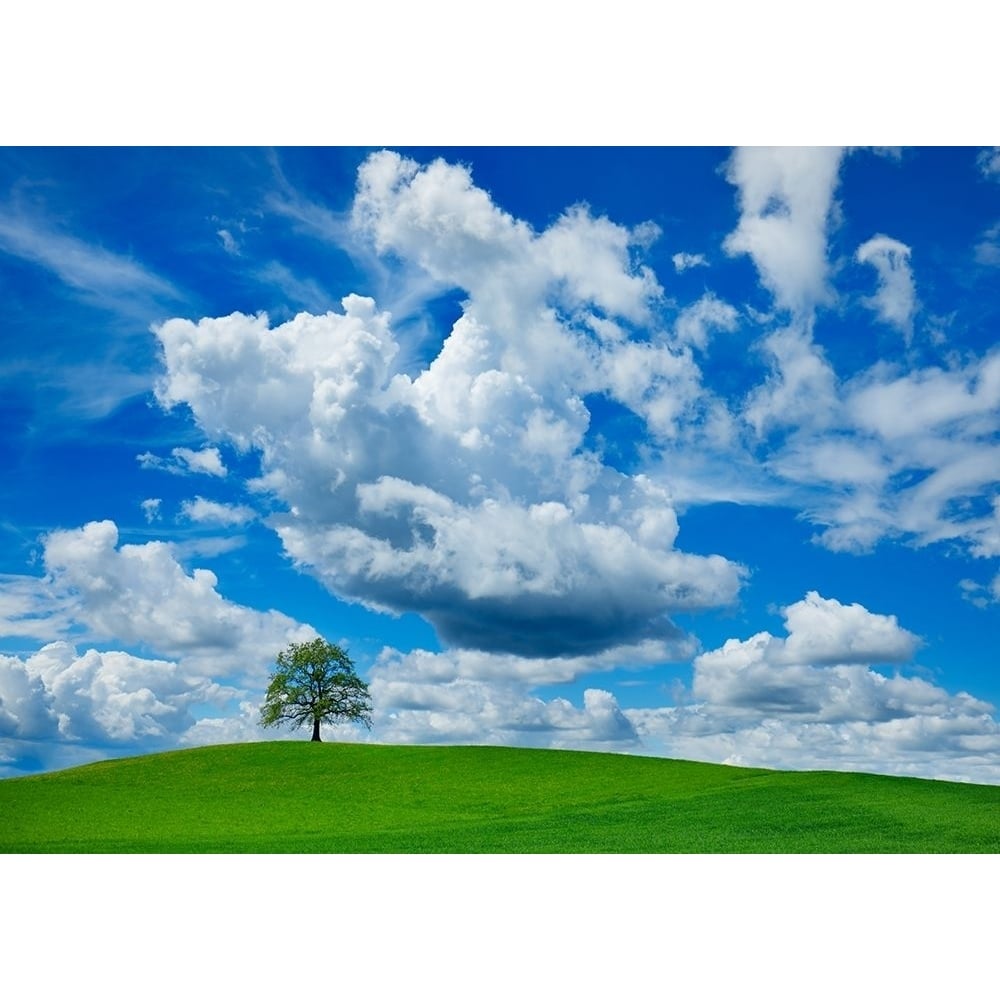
x,y
90,376
113,280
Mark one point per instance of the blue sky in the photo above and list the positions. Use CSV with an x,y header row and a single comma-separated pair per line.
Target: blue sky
x,y
672,451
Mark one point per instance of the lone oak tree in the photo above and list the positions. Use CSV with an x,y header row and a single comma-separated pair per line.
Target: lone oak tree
x,y
315,682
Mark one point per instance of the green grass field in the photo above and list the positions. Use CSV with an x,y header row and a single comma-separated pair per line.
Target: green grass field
x,y
327,797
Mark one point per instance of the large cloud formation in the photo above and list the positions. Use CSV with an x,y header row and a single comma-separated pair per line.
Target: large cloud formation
x,y
469,492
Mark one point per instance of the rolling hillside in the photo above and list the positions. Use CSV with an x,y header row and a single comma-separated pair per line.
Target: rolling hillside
x,y
302,797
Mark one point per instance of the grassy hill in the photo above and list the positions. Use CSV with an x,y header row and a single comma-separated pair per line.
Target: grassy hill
x,y
306,797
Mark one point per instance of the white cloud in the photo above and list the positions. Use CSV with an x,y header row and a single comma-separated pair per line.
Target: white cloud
x,y
895,302
466,492
99,696
987,250
140,595
685,261
205,650
820,670
243,726
26,709
495,434
989,162
786,199
824,631
812,700
476,665
30,607
205,511
888,453
112,279
229,243
60,707
961,744
186,461
696,321
927,401
801,390
151,509
502,577
980,594
450,698
207,460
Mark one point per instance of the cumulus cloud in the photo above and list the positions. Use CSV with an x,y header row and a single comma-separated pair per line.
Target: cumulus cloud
x,y
185,461
71,706
505,578
468,697
140,595
820,669
99,696
228,515
26,707
476,665
813,700
824,631
685,261
467,492
786,199
188,650
895,302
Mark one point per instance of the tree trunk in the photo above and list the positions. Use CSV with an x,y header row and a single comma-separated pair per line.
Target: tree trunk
x,y
315,738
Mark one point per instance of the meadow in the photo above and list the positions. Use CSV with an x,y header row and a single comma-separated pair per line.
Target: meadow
x,y
304,797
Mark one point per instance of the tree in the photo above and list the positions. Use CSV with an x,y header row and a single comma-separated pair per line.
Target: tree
x,y
315,682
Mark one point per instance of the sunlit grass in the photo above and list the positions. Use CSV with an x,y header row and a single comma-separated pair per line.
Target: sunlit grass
x,y
306,797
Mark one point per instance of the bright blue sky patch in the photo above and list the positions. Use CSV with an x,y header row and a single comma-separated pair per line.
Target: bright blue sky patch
x,y
672,451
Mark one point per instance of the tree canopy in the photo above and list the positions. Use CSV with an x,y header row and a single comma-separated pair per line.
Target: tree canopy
x,y
315,682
